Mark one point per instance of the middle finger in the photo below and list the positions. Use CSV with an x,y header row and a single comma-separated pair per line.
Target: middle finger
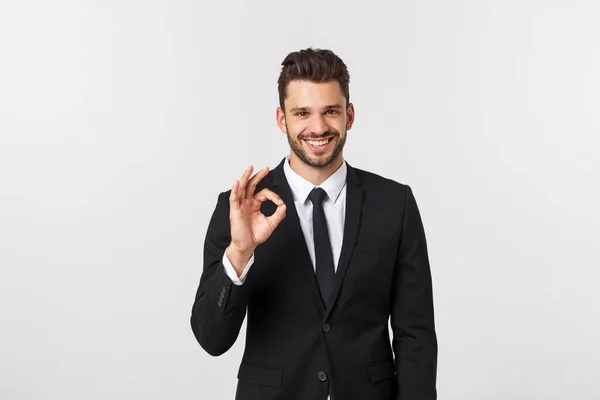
x,y
244,182
254,181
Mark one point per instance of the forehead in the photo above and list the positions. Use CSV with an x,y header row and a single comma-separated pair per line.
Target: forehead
x,y
314,94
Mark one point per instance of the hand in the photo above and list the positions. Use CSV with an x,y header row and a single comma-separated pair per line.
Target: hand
x,y
250,227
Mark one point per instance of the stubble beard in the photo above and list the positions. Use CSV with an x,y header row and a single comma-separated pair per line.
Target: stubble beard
x,y
318,163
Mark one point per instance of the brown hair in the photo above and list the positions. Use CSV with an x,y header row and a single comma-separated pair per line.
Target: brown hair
x,y
315,65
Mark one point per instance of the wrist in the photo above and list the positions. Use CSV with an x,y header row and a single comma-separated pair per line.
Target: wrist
x,y
239,258
235,250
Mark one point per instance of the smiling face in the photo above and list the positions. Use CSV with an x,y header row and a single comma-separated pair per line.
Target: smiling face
x,y
316,120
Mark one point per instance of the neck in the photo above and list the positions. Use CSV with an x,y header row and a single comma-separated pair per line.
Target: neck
x,y
316,176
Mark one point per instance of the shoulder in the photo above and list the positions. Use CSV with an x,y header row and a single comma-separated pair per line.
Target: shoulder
x,y
372,181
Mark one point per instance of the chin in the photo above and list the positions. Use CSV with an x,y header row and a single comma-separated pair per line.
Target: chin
x,y
320,162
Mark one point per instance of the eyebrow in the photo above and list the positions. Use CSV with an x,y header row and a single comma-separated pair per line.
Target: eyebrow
x,y
327,107
299,109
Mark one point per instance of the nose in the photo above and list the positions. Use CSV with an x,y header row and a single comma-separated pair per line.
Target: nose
x,y
318,125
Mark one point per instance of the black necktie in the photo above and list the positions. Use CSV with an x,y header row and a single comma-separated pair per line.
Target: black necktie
x,y
323,253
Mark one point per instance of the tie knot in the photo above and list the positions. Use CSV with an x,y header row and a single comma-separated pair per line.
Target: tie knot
x,y
317,195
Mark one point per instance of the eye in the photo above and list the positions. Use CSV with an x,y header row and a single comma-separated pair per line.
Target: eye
x,y
332,112
301,114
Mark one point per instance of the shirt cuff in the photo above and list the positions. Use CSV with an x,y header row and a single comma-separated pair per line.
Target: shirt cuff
x,y
232,274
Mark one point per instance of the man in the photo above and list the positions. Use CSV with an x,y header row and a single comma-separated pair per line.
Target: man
x,y
321,255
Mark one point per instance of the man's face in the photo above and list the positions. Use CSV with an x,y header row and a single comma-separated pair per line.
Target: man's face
x,y
316,120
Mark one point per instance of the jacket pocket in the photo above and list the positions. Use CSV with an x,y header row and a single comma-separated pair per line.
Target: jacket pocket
x,y
260,375
381,371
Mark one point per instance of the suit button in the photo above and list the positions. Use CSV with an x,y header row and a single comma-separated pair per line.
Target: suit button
x,y
322,376
326,327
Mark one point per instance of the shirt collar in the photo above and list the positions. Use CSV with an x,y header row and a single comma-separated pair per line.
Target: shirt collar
x,y
301,188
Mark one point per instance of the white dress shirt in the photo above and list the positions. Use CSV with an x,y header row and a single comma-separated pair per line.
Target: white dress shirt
x,y
334,207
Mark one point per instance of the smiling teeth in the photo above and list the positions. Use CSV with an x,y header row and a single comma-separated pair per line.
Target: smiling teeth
x,y
318,144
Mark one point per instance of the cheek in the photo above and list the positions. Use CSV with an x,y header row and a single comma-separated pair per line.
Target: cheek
x,y
340,126
297,128
338,122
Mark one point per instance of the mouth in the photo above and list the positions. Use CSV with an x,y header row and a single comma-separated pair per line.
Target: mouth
x,y
319,146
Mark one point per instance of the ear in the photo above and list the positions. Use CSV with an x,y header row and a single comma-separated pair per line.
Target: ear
x,y
280,115
350,116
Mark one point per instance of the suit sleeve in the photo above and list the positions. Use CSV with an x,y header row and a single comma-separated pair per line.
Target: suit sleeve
x,y
412,317
220,306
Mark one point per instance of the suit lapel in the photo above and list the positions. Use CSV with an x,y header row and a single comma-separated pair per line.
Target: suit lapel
x,y
292,229
354,198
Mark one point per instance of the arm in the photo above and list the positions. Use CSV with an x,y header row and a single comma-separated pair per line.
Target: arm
x,y
236,228
412,317
220,306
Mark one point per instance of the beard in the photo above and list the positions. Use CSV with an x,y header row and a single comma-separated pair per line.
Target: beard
x,y
317,162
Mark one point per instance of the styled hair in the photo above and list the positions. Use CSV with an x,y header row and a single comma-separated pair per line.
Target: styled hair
x,y
314,65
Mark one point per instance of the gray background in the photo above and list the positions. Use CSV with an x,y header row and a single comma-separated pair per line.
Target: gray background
x,y
121,121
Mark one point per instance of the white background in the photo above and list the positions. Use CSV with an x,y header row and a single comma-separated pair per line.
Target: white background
x,y
121,121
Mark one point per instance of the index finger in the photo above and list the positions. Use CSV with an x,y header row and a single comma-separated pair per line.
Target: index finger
x,y
267,194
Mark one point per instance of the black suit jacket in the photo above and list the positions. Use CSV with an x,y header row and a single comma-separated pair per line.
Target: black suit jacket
x,y
297,347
